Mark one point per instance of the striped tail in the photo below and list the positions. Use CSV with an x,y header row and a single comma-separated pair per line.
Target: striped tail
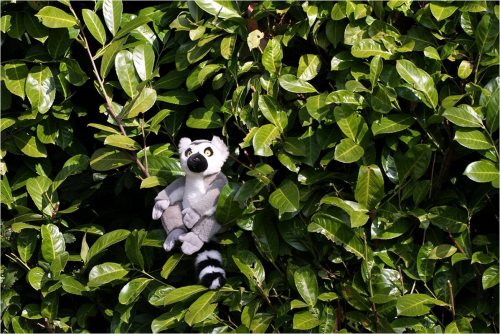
x,y
209,266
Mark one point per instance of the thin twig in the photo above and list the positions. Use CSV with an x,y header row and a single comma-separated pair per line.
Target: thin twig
x,y
452,299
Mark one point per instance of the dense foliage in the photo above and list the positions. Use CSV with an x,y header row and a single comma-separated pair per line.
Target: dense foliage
x,y
363,170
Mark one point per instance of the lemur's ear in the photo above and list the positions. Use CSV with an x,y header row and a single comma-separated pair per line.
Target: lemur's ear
x,y
219,144
183,144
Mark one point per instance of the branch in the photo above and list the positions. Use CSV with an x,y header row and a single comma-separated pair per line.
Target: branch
x,y
109,104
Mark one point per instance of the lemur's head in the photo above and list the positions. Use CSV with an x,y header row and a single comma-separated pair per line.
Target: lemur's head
x,y
202,156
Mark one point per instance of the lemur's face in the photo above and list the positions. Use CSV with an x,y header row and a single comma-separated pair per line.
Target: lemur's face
x,y
202,156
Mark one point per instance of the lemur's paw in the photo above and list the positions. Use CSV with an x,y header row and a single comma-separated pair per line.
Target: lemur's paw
x,y
159,207
172,238
190,217
191,243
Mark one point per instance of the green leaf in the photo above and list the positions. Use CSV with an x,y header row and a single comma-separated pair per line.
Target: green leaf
x,y
152,181
461,325
105,273
122,141
369,186
337,231
442,11
305,320
138,24
105,159
112,11
178,96
365,48
105,241
473,139
490,277
52,242
227,47
142,103
125,71
392,123
263,139
442,251
53,17
347,151
272,56
219,8
309,66
250,266
272,112
74,165
94,25
486,33
40,88
266,237
30,145
108,57
420,80
170,265
37,188
35,276
293,84
414,305
482,171
286,197
131,291
26,244
307,285
15,78
201,309
166,321
463,115
465,69
376,66
357,212
180,294
202,118
351,123
71,285
448,218
144,59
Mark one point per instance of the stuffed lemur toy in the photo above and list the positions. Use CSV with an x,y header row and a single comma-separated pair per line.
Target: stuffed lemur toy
x,y
187,207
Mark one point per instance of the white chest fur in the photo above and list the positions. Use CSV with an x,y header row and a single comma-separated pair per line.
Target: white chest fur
x,y
193,189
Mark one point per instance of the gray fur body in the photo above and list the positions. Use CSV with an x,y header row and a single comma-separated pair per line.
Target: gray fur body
x,y
187,205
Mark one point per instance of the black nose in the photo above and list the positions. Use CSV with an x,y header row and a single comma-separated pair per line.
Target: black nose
x,y
197,163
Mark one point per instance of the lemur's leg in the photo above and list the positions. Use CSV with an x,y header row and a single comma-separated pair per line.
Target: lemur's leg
x,y
172,223
201,233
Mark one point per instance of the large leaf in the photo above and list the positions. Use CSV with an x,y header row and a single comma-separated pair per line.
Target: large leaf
x,y
52,242
94,25
125,71
307,285
272,56
305,320
250,266
131,291
473,139
180,294
392,123
106,273
490,277
38,188
201,309
15,78
202,118
348,151
286,197
420,80
486,33
144,59
369,186
121,141
142,102
74,165
219,8
442,11
53,17
263,139
368,47
105,241
309,66
482,171
293,84
112,12
106,158
40,88
463,116
414,305
270,109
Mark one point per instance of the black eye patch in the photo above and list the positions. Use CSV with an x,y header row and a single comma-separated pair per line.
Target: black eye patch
x,y
188,152
208,152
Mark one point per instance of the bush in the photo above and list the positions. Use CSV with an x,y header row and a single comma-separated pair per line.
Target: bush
x,y
363,170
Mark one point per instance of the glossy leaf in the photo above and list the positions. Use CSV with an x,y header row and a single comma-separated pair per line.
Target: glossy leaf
x,y
347,151
412,305
369,186
250,266
106,159
112,12
105,241
293,84
286,197
142,102
305,321
420,80
106,273
473,139
52,242
131,291
218,8
201,309
463,116
40,88
94,25
15,78
272,56
392,123
309,66
307,285
263,139
53,17
125,71
144,59
490,277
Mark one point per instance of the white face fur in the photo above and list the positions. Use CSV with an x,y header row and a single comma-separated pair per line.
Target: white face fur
x,y
215,153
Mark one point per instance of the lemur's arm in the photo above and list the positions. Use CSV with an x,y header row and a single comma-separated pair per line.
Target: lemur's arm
x,y
171,194
207,204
